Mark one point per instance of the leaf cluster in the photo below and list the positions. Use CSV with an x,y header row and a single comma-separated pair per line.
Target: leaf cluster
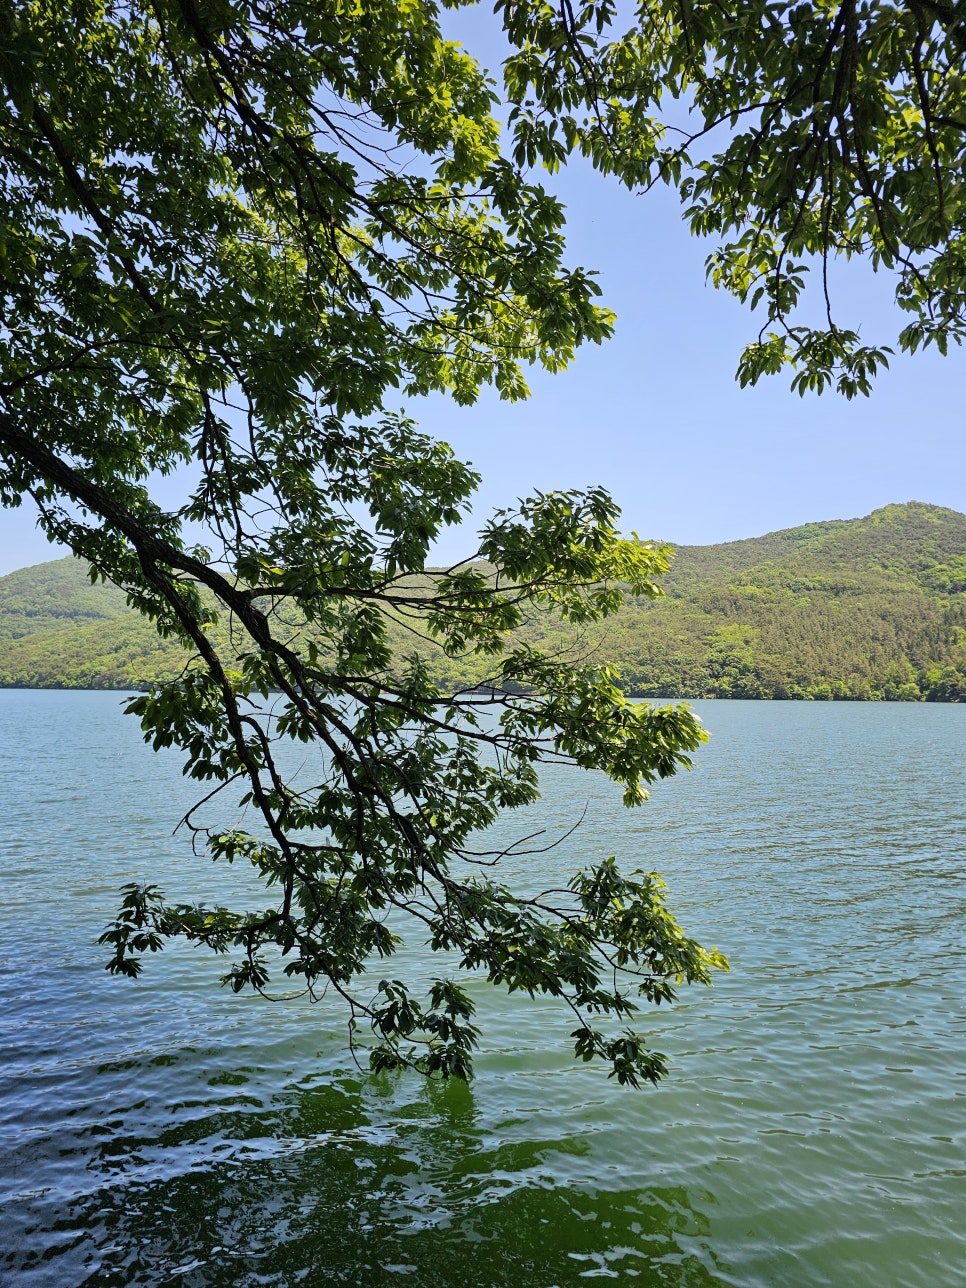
x,y
234,233
800,136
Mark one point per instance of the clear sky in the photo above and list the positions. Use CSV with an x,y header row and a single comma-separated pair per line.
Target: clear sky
x,y
656,416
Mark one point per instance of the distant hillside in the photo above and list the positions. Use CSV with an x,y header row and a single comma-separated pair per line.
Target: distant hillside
x,y
57,630
856,608
55,596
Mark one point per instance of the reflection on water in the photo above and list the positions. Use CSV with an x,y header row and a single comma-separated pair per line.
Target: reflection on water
x,y
349,1181
813,1131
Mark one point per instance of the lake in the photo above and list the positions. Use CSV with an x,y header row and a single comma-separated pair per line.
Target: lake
x,y
812,1130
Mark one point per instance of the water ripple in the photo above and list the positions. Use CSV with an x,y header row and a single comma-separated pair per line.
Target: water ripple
x,y
812,1131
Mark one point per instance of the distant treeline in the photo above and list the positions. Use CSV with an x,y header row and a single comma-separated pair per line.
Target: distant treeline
x,y
866,609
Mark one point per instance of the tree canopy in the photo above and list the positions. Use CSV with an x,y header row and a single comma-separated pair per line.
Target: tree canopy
x,y
797,134
232,232
235,233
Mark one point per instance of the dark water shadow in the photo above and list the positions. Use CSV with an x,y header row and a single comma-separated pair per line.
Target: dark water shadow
x,y
353,1182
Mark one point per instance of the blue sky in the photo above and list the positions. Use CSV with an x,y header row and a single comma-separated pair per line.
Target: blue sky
x,y
656,416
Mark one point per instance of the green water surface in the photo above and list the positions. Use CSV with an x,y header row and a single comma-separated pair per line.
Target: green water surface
x,y
813,1129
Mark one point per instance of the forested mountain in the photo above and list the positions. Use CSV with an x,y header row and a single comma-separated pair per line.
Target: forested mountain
x,y
859,608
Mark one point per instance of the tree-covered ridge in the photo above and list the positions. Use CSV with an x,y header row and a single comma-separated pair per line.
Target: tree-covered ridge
x,y
58,630
905,540
52,596
871,608
865,609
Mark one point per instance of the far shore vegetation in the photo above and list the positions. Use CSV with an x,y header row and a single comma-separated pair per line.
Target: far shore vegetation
x,y
859,609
